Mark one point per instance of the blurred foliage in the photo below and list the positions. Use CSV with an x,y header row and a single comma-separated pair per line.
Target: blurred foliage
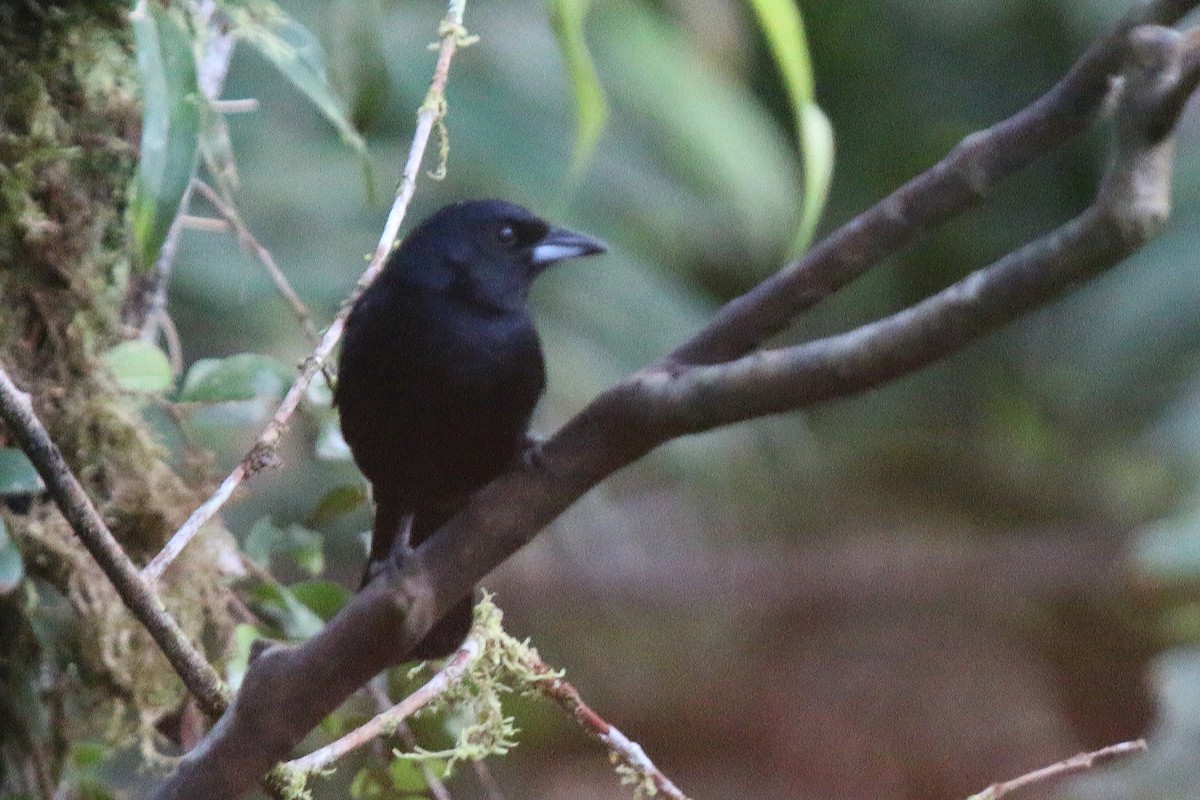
x,y
686,133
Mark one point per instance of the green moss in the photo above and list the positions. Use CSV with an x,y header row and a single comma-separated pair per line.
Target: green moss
x,y
69,129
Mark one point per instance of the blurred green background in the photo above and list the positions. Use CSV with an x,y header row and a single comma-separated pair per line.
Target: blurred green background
x,y
967,574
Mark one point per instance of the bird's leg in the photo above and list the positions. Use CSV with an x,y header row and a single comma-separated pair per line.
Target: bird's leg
x,y
398,552
402,545
403,541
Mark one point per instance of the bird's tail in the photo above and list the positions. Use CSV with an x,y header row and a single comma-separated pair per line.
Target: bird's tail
x,y
391,521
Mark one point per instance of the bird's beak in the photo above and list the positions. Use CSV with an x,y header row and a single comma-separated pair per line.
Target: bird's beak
x,y
559,244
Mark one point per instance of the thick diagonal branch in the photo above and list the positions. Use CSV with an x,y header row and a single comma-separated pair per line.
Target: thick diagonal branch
x,y
957,182
289,690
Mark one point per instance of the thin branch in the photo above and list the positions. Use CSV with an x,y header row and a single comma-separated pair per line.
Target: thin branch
x,y
1131,206
244,106
635,765
248,241
378,691
491,787
627,753
959,181
23,424
262,453
384,723
206,224
1083,762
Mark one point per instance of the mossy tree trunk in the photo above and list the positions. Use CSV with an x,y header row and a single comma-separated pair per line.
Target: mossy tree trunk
x,y
75,666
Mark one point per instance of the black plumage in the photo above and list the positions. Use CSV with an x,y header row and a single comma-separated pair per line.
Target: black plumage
x,y
441,368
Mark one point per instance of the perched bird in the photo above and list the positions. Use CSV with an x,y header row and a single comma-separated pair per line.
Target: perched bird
x,y
440,370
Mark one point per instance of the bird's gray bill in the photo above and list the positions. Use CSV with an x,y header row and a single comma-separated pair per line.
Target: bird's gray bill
x,y
560,243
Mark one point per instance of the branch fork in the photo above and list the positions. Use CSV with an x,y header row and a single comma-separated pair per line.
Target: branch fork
x,y
716,378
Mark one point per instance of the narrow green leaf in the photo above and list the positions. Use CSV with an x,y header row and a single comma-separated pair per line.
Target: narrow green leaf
x,y
298,56
591,109
140,367
783,27
306,548
817,151
17,475
170,125
245,376
715,156
324,598
12,566
337,501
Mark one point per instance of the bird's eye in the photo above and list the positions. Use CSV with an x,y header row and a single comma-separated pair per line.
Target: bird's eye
x,y
506,235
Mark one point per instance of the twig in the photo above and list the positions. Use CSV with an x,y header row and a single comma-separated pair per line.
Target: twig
x,y
247,240
384,723
1130,207
378,690
206,224
23,425
491,787
1083,762
243,106
634,765
627,753
261,454
960,180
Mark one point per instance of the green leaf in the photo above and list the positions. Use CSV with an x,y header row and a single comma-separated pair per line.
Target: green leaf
x,y
140,367
170,125
783,27
706,151
276,604
245,376
296,542
407,776
298,55
85,771
235,669
591,109
817,151
325,598
87,755
12,566
337,501
366,784
329,444
17,475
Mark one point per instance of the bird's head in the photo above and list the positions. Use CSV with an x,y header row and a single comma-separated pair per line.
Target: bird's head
x,y
485,253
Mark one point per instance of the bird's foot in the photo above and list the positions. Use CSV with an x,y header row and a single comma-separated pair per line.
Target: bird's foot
x,y
530,455
401,550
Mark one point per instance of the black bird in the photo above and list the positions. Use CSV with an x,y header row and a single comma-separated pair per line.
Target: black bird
x,y
441,367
